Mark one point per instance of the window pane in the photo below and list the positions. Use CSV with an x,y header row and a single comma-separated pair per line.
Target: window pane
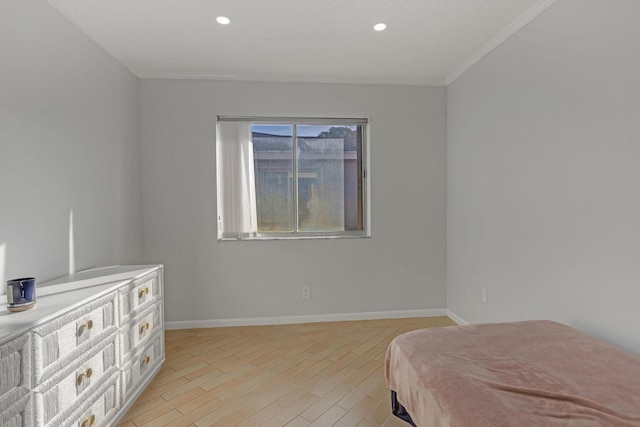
x,y
273,169
329,178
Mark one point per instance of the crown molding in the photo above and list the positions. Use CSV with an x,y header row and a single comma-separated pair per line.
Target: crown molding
x,y
144,75
515,26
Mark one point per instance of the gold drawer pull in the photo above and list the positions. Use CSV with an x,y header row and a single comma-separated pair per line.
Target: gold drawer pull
x,y
145,360
88,421
86,373
88,325
143,292
144,327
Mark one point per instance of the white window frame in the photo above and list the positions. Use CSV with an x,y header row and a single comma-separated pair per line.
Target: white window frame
x,y
296,234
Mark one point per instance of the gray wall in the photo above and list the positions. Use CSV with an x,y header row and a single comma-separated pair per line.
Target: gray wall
x,y
543,174
401,267
68,140
543,184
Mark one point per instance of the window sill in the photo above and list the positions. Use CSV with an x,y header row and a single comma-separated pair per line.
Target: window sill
x,y
298,237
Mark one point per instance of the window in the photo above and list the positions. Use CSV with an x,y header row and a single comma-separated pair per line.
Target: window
x,y
288,178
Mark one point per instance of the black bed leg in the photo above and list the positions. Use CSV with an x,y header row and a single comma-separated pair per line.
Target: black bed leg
x,y
398,410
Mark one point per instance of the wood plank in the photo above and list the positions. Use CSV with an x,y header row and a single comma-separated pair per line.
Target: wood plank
x,y
359,412
316,374
330,417
166,407
292,411
314,411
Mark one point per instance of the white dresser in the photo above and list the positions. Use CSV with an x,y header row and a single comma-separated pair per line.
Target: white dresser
x,y
84,354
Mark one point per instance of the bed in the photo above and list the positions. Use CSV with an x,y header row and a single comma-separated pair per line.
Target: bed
x,y
531,373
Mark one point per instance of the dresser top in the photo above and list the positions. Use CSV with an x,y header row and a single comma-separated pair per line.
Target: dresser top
x,y
67,293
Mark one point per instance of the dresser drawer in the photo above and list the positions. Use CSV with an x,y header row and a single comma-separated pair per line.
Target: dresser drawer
x,y
140,294
137,331
63,339
97,411
15,369
75,382
18,414
64,364
143,363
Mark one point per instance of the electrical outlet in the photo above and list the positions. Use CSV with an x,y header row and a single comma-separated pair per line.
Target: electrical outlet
x,y
306,292
485,295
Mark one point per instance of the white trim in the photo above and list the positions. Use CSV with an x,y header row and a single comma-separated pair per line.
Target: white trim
x,y
503,35
288,120
459,320
312,318
153,75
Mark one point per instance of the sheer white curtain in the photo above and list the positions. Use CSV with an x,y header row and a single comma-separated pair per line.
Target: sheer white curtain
x,y
237,217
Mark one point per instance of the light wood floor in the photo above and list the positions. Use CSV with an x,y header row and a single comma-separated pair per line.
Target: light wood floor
x,y
319,374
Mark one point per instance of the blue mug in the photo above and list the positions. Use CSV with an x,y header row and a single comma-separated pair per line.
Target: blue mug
x,y
21,291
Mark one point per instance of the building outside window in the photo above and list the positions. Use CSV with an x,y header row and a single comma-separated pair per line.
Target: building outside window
x,y
271,187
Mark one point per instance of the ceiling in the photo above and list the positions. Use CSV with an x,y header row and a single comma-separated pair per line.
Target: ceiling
x,y
427,42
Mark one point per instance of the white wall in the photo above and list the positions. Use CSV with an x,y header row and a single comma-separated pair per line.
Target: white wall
x,y
543,174
402,267
68,141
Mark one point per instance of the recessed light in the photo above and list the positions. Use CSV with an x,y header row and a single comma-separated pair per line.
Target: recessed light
x,y
223,20
380,26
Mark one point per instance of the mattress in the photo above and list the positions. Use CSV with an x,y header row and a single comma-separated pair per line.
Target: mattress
x,y
532,373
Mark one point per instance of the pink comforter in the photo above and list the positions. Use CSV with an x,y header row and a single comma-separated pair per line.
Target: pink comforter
x,y
520,374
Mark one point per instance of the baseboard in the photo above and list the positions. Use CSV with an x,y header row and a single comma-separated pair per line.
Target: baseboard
x,y
313,318
459,320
